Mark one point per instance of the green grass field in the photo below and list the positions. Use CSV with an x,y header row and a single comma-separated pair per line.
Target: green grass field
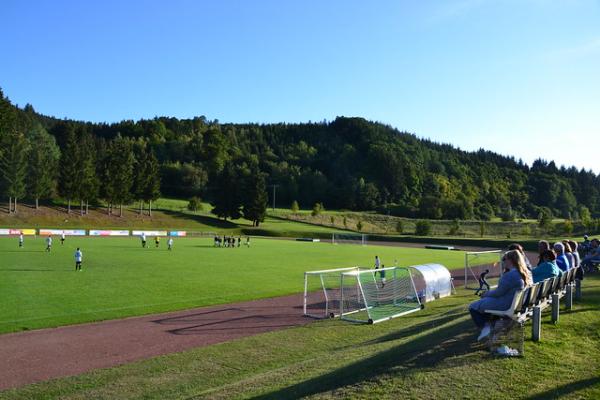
x,y
431,354
119,278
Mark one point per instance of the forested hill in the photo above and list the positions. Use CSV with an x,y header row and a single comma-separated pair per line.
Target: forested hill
x,y
349,163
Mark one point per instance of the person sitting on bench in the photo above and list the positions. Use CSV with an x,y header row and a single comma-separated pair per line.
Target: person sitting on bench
x,y
517,278
547,269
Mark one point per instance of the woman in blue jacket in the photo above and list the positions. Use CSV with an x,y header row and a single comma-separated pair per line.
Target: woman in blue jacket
x,y
517,278
547,269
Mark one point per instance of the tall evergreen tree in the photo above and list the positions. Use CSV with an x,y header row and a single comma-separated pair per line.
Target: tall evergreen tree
x,y
13,167
139,174
255,197
70,176
120,172
151,189
43,165
227,201
89,182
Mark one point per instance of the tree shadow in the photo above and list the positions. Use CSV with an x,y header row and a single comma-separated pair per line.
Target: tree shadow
x,y
564,390
420,327
424,352
202,219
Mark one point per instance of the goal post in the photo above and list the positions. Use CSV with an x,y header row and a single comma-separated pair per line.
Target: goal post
x,y
349,238
322,292
477,262
372,296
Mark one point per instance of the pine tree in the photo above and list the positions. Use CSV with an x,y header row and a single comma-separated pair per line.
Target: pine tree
x,y
13,166
70,178
120,172
89,182
255,197
43,165
151,189
226,197
139,175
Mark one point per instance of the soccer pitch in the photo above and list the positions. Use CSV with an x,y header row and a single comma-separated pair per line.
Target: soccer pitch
x,y
121,279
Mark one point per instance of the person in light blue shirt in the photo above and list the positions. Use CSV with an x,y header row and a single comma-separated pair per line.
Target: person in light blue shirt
x,y
517,278
547,269
561,259
78,259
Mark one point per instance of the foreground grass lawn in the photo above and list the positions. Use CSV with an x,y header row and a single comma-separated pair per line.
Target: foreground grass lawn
x,y
119,278
426,355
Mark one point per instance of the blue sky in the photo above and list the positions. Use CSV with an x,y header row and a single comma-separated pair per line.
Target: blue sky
x,y
518,77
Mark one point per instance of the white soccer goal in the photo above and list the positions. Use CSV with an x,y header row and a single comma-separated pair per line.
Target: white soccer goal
x,y
476,262
322,292
349,238
372,296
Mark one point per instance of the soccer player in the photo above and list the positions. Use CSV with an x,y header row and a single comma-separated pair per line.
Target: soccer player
x,y
377,262
20,240
483,282
62,238
170,243
247,241
382,275
239,241
143,240
48,243
157,241
78,259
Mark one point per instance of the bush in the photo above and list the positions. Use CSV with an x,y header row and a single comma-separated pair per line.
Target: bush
x,y
400,227
359,226
423,228
295,206
564,228
195,204
317,209
454,228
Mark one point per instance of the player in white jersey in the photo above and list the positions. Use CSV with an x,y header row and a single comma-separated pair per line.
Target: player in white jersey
x,y
48,243
78,259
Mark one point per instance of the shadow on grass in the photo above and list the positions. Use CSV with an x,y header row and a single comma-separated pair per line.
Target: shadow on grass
x,y
192,318
421,327
213,222
250,322
564,390
24,251
421,353
31,270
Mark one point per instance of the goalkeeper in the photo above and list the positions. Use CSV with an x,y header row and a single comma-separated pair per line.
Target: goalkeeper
x,y
381,274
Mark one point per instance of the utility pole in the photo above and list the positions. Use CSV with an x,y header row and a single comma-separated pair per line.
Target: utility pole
x,y
274,188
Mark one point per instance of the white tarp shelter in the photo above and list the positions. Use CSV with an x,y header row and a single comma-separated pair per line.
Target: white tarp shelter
x,y
437,279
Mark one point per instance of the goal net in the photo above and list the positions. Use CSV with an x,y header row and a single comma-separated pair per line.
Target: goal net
x,y
477,262
349,238
372,296
322,292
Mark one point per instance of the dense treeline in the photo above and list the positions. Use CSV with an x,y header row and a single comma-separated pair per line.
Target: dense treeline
x,y
349,163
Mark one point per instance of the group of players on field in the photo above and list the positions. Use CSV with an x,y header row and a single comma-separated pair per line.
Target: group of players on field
x,y
230,241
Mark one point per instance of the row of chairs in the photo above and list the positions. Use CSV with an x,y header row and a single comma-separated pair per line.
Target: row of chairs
x,y
529,303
